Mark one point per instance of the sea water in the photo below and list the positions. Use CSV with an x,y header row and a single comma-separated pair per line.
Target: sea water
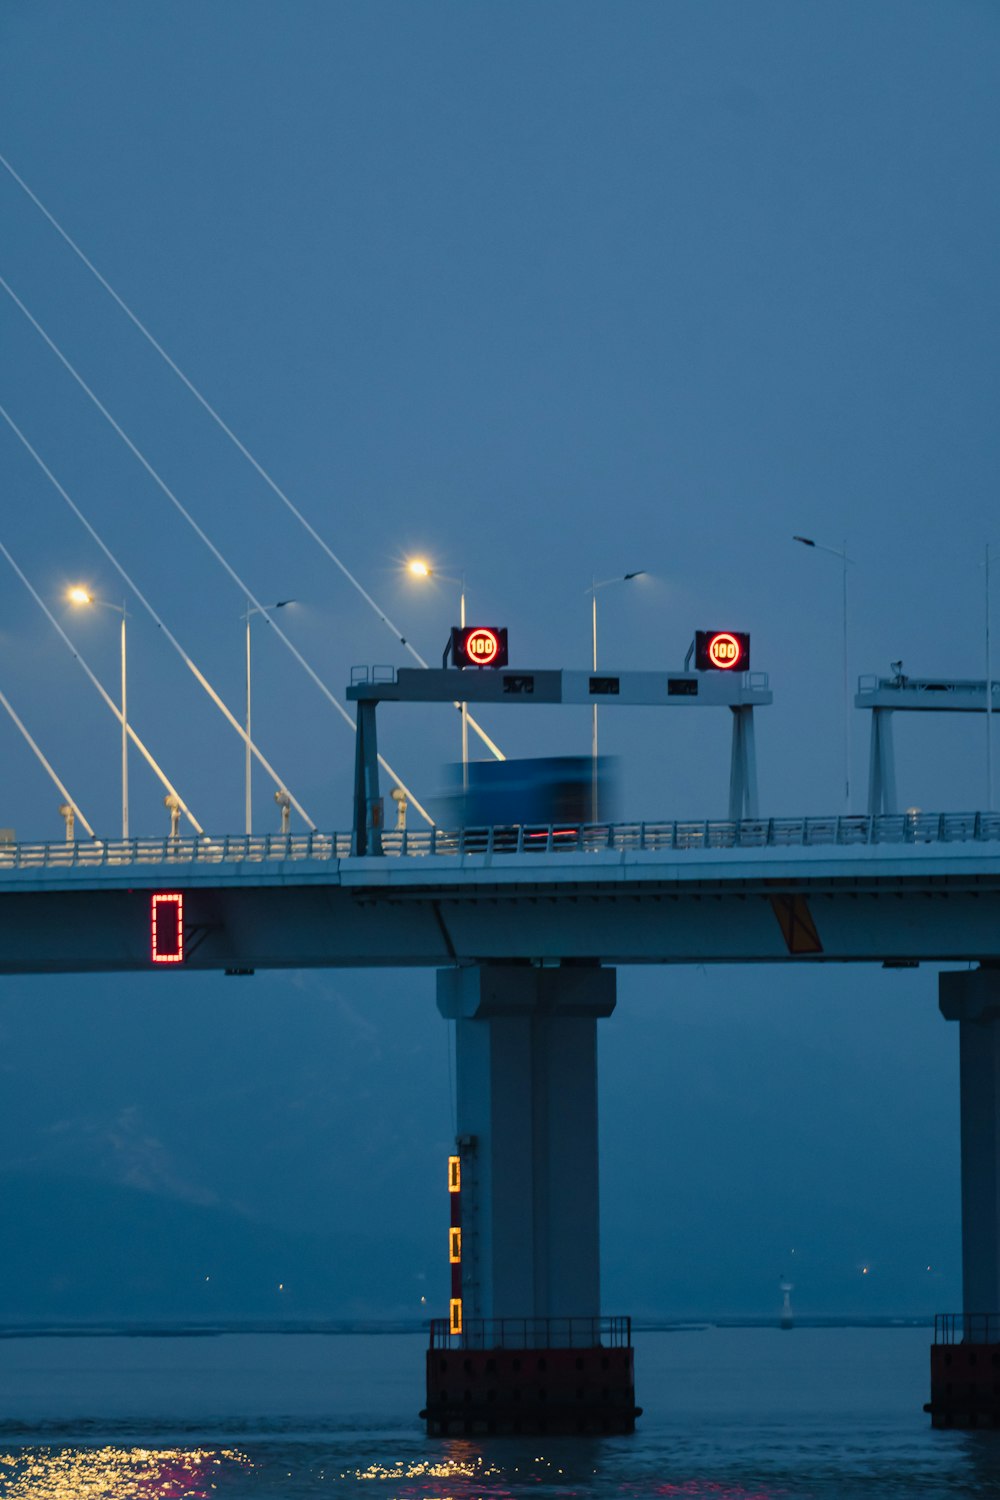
x,y
730,1414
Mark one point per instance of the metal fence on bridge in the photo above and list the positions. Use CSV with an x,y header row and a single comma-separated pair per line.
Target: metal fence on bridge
x,y
755,833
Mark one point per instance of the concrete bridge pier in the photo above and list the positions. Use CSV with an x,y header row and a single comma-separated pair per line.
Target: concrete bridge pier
x,y
525,1348
965,1357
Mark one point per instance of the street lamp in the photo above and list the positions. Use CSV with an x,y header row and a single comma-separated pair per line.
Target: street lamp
x,y
417,567
81,596
844,559
594,586
251,610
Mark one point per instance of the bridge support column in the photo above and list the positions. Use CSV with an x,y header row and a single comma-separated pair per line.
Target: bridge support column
x,y
965,1359
528,1349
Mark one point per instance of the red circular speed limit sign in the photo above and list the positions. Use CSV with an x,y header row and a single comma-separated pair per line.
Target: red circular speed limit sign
x,y
724,651
479,646
482,646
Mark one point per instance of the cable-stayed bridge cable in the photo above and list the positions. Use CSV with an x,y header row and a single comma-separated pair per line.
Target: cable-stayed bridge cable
x,y
188,662
137,742
223,426
199,532
45,764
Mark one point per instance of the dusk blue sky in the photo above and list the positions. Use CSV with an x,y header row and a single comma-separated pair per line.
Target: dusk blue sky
x,y
542,291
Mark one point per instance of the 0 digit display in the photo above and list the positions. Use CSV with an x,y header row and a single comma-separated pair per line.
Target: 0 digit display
x,y
166,927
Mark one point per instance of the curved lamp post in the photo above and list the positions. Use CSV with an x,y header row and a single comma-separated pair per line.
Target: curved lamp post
x,y
418,567
592,591
844,560
251,610
82,596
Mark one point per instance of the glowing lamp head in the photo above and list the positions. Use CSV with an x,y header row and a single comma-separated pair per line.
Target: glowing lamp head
x,y
418,568
79,595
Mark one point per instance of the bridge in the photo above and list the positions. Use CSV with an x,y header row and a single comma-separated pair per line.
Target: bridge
x,y
891,888
526,926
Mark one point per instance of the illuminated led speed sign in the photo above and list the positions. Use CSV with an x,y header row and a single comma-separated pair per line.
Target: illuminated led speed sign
x,y
478,646
722,650
166,927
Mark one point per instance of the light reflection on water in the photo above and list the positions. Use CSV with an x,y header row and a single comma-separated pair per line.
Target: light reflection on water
x,y
113,1473
967,1467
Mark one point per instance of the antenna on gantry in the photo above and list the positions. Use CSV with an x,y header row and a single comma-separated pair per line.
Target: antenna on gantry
x,y
241,447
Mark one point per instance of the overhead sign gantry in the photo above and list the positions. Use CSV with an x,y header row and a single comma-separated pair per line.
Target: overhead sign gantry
x,y
723,682
901,693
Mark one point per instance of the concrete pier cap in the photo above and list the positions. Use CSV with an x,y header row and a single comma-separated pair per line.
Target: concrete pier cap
x,y
970,994
481,991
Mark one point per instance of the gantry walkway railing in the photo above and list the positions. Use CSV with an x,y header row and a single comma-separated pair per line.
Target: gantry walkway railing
x,y
553,838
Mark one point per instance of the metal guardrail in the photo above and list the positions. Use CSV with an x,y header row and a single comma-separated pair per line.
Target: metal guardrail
x,y
750,833
967,1328
110,853
534,1333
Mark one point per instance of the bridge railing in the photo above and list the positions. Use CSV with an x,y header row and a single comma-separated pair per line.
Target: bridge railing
x,y
206,850
523,838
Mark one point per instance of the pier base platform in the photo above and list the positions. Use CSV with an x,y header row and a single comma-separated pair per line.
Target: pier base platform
x,y
965,1372
531,1375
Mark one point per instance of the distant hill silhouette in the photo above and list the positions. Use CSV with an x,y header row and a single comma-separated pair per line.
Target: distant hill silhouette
x,y
77,1250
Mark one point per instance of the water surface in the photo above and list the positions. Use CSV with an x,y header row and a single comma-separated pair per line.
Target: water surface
x,y
730,1414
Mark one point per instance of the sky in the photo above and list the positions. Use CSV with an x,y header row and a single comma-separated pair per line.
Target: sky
x,y
543,293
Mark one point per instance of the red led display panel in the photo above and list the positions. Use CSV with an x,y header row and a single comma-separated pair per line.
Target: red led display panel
x,y
479,646
722,650
166,927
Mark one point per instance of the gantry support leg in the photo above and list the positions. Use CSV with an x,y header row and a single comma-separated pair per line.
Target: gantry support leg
x,y
743,767
881,765
965,1390
367,831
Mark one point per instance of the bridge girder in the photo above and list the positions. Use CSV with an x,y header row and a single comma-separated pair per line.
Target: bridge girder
x,y
430,918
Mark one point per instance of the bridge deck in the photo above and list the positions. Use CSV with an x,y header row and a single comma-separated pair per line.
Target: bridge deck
x,y
852,890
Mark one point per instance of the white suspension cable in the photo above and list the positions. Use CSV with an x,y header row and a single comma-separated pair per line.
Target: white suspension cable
x,y
137,742
231,435
192,667
223,561
52,775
